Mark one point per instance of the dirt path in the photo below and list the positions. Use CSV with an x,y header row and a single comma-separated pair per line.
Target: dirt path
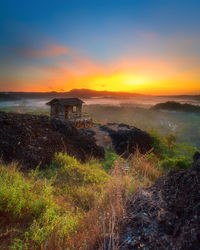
x,y
102,137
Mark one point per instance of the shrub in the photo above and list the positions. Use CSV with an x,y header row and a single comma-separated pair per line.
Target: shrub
x,y
110,158
21,197
169,154
53,223
72,172
175,163
31,202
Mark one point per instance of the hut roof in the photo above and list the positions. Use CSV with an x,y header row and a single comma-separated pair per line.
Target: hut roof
x,y
65,101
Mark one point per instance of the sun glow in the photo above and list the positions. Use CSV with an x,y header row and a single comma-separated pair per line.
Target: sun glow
x,y
145,75
118,82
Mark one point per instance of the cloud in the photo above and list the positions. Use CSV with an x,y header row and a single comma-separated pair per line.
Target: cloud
x,y
164,73
49,50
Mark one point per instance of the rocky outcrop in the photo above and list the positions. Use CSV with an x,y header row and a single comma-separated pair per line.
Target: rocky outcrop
x,y
196,163
166,215
32,140
126,139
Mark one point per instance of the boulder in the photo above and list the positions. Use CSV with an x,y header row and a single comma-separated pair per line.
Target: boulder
x,y
196,161
126,139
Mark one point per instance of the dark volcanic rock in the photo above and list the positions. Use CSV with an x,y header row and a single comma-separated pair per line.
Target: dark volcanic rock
x,y
196,163
126,139
166,215
33,140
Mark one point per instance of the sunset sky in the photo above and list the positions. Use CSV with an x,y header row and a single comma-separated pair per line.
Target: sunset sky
x,y
142,46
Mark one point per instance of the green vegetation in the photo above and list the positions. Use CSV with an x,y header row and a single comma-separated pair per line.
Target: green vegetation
x,y
176,106
48,204
70,205
29,210
169,154
109,161
184,125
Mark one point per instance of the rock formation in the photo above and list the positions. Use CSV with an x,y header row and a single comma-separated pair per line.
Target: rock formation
x,y
166,215
32,140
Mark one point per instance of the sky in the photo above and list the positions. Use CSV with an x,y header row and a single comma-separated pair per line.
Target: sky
x,y
140,46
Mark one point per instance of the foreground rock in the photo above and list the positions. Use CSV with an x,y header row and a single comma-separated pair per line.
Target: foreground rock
x,y
124,139
33,140
166,215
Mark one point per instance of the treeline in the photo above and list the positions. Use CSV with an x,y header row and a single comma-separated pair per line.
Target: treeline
x,y
176,106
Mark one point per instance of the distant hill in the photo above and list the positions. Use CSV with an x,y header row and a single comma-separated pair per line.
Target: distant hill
x,y
88,93
81,93
176,106
7,97
193,97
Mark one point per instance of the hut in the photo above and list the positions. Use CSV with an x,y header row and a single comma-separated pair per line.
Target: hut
x,y
66,108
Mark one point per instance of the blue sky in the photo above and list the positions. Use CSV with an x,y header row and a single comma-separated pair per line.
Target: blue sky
x,y
102,31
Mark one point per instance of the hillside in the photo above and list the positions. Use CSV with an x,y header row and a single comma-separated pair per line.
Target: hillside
x,y
124,139
4,97
176,106
90,188
80,93
34,139
87,93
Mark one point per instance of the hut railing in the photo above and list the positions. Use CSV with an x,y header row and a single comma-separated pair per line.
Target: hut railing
x,y
80,117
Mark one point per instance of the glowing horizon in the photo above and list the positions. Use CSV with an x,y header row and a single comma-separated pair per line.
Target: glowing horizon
x,y
144,75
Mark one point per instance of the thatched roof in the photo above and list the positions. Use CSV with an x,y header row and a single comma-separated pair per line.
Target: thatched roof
x,y
65,101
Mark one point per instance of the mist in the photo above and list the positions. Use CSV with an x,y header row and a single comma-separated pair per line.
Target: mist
x,y
133,111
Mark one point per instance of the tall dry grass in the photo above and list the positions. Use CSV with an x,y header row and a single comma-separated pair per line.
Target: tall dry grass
x,y
92,223
100,227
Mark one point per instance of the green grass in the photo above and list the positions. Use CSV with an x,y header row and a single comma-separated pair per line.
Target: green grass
x,y
66,205
20,196
49,203
184,125
30,202
109,161
169,154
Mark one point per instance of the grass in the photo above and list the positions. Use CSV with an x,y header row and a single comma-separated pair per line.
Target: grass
x,y
170,155
52,208
28,208
14,198
185,125
71,205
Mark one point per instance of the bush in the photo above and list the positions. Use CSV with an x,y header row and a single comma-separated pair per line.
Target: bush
x,y
162,145
53,223
110,158
169,154
175,163
72,172
21,197
31,202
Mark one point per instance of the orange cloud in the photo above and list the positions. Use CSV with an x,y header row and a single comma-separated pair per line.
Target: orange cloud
x,y
147,75
49,50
